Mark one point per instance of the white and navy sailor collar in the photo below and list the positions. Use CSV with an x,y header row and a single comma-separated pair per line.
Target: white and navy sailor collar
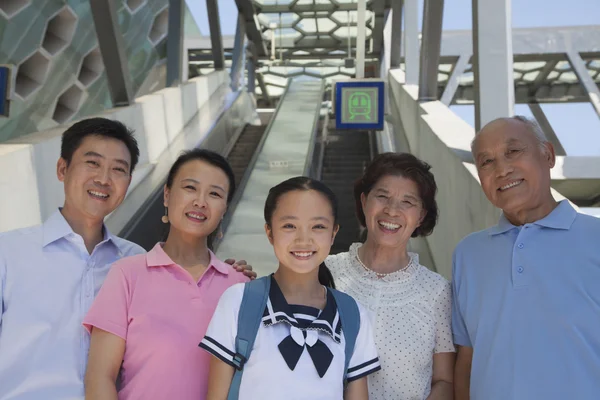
x,y
278,310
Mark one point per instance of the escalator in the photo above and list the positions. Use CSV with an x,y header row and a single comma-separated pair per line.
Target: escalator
x,y
240,155
345,155
146,228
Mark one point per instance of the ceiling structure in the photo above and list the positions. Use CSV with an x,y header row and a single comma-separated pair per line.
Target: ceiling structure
x,y
314,39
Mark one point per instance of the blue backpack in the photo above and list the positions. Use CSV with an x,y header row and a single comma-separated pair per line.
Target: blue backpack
x,y
254,301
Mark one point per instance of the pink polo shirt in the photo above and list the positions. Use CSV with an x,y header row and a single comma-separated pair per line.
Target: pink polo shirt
x,y
155,305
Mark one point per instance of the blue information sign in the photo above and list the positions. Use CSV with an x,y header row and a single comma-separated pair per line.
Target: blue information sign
x,y
4,84
359,104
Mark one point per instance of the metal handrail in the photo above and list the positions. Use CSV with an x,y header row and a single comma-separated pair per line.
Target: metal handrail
x,y
308,166
244,181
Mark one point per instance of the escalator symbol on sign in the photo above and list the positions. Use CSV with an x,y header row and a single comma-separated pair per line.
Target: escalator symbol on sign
x,y
359,104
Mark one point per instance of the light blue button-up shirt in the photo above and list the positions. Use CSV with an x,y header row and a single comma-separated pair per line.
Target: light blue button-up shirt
x,y
527,299
48,281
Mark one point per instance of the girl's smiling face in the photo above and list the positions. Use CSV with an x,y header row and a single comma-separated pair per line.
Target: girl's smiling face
x,y
302,230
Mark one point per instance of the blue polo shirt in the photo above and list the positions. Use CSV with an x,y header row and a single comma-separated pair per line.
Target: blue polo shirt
x,y
527,299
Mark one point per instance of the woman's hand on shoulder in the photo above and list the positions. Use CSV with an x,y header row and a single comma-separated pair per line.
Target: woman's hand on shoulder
x,y
242,266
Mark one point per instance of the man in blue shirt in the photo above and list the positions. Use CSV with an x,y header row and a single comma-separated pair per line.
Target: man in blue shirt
x,y
526,305
50,274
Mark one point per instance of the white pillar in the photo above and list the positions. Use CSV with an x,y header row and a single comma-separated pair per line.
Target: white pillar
x,y
360,39
411,40
492,61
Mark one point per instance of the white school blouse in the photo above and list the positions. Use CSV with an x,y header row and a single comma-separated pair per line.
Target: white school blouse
x,y
412,318
311,340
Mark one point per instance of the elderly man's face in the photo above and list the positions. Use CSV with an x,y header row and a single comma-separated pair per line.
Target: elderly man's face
x,y
514,168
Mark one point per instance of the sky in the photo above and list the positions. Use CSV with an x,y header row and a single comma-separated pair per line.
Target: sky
x,y
576,125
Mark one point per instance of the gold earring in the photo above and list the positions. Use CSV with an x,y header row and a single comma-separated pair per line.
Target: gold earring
x,y
165,218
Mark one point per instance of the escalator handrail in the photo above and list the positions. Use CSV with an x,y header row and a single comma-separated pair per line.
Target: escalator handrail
x,y
132,224
239,191
308,166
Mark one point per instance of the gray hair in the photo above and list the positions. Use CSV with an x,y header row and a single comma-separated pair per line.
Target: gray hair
x,y
531,124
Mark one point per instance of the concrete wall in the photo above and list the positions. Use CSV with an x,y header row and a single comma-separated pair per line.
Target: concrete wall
x,y
432,130
29,189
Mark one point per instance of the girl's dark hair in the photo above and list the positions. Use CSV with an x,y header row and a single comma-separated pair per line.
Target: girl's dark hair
x,y
212,158
409,167
303,183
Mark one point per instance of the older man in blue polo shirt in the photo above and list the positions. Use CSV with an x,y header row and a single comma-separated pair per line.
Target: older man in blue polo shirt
x,y
526,307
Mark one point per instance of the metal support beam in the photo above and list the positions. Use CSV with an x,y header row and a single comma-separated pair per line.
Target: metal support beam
x,y
285,7
379,15
360,38
585,79
494,87
452,84
251,65
239,54
175,42
395,54
216,40
541,78
248,12
263,89
433,13
112,49
540,117
411,40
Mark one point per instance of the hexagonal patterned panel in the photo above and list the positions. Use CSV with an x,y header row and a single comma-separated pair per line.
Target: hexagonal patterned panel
x,y
59,31
10,8
68,104
134,5
159,28
31,74
91,67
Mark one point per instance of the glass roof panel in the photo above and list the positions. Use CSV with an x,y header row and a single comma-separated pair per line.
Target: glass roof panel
x,y
274,2
568,77
313,25
344,16
287,19
345,32
529,66
304,2
531,76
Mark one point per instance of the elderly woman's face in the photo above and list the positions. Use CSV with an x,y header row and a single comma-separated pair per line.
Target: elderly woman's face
x,y
393,210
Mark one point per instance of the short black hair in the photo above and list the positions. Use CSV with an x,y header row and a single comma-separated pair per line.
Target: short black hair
x,y
72,137
409,167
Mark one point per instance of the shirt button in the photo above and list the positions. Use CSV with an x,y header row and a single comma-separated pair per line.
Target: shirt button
x,y
520,245
520,270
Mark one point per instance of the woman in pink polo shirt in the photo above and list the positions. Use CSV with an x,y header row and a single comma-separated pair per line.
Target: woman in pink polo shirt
x,y
154,309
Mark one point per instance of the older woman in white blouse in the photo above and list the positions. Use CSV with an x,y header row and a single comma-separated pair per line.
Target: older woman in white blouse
x,y
410,304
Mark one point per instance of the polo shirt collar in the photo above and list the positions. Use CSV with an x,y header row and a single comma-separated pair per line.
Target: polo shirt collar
x,y
158,258
56,227
561,217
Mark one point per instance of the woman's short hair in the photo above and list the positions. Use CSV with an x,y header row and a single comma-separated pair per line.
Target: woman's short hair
x,y
409,167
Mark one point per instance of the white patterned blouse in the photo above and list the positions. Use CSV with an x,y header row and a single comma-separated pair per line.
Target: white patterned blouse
x,y
411,317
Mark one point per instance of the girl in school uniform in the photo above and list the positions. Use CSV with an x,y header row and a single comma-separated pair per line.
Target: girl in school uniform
x,y
154,308
299,351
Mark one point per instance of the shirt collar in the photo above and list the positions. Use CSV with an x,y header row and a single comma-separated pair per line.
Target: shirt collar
x,y
158,258
56,227
561,217
278,310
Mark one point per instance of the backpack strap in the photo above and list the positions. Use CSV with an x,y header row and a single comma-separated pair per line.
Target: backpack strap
x,y
256,294
350,319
